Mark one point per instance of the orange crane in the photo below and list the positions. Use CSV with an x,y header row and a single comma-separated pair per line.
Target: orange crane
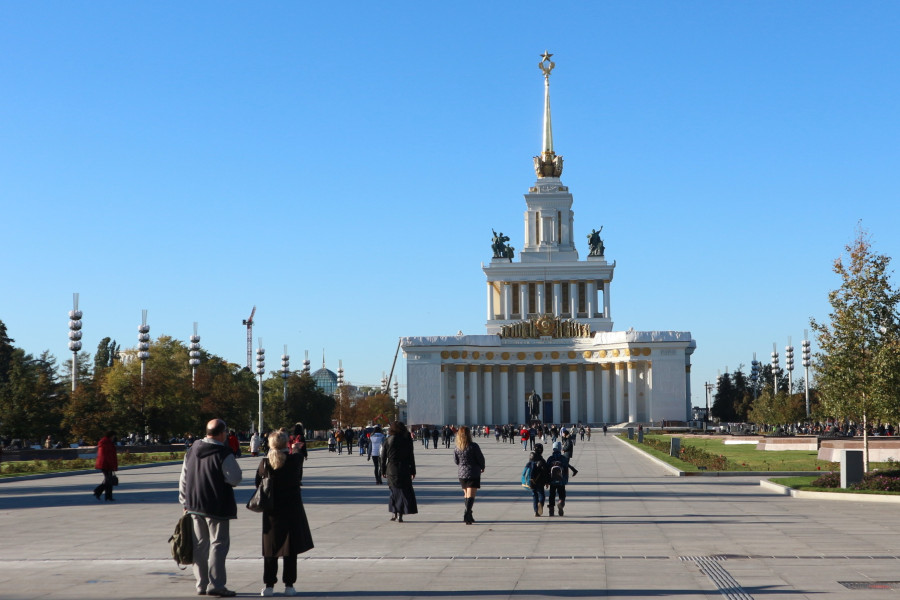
x,y
249,323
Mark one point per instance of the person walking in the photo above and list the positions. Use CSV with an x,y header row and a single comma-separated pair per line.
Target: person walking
x,y
399,466
374,452
524,435
107,462
435,435
470,459
558,472
567,443
209,475
538,480
285,529
363,442
254,444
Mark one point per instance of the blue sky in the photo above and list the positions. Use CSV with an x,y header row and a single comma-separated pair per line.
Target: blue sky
x,y
341,165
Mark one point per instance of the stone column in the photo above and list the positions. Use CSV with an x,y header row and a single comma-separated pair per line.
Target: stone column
x,y
591,403
606,300
519,396
523,301
460,394
504,394
556,386
573,299
488,395
474,413
574,410
444,393
539,297
557,298
632,393
507,300
605,412
591,298
539,385
490,301
621,414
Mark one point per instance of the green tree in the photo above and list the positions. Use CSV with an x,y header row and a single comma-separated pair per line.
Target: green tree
x,y
6,352
306,403
858,364
107,350
31,398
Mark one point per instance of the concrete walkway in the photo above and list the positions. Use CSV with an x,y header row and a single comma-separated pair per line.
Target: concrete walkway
x,y
630,531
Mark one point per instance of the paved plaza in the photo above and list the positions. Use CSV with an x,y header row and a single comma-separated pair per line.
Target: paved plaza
x,y
630,531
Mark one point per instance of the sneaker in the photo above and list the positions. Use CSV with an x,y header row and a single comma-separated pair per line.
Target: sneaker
x,y
561,513
267,591
290,591
223,593
540,509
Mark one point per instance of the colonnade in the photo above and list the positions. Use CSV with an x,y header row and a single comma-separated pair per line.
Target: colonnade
x,y
611,392
508,300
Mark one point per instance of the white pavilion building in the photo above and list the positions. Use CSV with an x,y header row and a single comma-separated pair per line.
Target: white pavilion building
x,y
549,331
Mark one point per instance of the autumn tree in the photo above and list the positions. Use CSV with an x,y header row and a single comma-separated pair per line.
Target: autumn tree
x,y
858,363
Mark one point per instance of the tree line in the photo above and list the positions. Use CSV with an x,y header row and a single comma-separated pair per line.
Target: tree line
x,y
37,400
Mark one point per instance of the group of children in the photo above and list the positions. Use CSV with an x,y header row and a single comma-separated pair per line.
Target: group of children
x,y
552,473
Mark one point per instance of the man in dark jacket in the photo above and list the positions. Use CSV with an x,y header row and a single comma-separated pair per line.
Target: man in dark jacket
x,y
206,490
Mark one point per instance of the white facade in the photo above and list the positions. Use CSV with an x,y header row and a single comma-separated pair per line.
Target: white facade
x,y
549,330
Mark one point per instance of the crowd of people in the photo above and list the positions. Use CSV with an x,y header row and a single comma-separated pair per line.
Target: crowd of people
x,y
210,473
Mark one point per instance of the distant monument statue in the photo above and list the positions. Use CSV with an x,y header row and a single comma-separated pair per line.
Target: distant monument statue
x,y
498,245
534,404
595,243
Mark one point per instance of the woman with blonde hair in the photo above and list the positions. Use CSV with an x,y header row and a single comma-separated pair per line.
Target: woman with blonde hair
x,y
471,465
285,530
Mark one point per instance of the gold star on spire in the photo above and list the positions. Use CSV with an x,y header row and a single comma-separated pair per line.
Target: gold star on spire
x,y
546,64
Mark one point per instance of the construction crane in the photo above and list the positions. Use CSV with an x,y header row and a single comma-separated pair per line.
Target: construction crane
x,y
249,323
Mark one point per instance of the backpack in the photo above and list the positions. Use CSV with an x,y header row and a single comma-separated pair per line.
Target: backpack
x,y
526,476
182,542
557,472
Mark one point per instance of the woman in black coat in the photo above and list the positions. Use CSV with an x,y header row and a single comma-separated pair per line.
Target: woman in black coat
x,y
285,530
399,467
471,465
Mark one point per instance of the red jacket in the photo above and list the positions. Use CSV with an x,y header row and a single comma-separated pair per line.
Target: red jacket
x,y
106,455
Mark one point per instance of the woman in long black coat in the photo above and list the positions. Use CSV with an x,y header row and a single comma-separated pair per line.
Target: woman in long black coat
x,y
399,467
285,530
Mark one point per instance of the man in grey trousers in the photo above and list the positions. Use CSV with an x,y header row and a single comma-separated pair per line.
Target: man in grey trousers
x,y
206,490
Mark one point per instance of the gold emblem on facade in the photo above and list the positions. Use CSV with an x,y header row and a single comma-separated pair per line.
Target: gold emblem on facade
x,y
545,326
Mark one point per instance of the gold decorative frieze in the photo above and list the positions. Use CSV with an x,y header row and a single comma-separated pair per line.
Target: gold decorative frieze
x,y
445,355
587,353
538,355
554,355
454,354
545,326
520,356
488,355
505,356
476,354
572,354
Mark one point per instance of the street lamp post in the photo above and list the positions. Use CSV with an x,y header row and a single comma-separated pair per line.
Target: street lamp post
x,y
775,368
75,337
805,357
709,388
143,343
285,371
789,365
260,371
194,361
339,391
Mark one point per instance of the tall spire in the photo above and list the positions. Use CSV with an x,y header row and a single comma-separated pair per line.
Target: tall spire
x,y
547,145
547,164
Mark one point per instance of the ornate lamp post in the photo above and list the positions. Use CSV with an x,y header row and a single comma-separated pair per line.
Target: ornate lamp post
x,y
260,371
75,337
384,384
143,343
306,362
789,365
775,368
339,391
195,355
285,371
709,388
806,356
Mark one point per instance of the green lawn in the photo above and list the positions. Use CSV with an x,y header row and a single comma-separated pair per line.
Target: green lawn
x,y
804,483
34,467
745,457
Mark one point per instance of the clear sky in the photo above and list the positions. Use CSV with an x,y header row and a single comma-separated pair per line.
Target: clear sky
x,y
340,165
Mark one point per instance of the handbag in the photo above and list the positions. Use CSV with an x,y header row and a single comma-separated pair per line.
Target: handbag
x,y
263,498
115,479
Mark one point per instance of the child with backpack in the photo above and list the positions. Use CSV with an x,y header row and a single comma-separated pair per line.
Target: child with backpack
x,y
535,477
558,476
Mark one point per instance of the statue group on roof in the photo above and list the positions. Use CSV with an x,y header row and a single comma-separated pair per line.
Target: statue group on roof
x,y
596,243
500,248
